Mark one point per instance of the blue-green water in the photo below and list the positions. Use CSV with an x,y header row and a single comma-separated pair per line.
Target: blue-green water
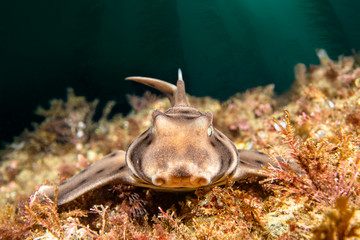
x,y
223,47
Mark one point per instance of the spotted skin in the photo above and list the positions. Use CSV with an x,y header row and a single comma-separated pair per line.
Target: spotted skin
x,y
181,151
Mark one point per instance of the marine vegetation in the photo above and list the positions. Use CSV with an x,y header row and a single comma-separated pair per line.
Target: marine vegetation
x,y
181,151
315,126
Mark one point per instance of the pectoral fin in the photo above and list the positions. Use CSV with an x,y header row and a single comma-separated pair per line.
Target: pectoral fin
x,y
110,169
252,163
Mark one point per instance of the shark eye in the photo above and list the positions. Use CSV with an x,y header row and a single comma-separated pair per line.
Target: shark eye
x,y
210,131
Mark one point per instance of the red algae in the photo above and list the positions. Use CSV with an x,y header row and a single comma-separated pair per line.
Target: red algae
x,y
314,127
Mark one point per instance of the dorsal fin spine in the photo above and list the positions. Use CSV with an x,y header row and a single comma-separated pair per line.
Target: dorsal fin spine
x,y
180,77
180,95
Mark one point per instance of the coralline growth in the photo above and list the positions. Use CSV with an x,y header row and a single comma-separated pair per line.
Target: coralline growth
x,y
315,126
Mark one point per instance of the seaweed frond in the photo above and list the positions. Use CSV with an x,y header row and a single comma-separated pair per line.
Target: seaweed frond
x,y
338,223
11,225
314,145
227,213
46,215
327,169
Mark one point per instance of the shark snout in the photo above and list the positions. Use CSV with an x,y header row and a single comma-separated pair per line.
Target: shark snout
x,y
181,178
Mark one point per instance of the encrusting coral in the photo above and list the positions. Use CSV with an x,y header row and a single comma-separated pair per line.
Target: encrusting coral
x,y
315,127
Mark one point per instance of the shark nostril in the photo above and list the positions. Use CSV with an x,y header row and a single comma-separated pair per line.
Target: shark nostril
x,y
159,181
200,181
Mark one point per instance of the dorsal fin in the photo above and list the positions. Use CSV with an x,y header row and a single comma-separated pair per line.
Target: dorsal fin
x,y
180,94
175,94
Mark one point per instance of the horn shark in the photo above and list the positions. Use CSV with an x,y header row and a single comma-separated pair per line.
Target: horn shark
x,y
180,151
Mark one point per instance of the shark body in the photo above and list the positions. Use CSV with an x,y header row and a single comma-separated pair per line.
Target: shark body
x,y
181,151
